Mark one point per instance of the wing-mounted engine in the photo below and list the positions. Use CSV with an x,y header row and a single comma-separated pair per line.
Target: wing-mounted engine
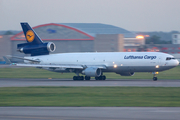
x,y
126,73
92,72
36,49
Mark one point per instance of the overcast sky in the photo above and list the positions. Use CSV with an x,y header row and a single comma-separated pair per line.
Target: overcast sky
x,y
133,15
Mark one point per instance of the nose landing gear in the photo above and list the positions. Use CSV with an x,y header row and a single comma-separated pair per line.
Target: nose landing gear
x,y
154,76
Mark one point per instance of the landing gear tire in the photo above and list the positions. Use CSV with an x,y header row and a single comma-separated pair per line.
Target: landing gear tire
x,y
87,78
100,78
78,78
75,78
155,78
103,77
81,77
96,78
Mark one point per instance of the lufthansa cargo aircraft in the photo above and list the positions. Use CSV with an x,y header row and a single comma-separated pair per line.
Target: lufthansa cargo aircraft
x,y
90,64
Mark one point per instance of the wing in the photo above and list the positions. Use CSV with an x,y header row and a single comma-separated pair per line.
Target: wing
x,y
60,66
35,63
50,66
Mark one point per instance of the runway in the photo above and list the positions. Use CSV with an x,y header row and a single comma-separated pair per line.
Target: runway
x,y
69,82
90,113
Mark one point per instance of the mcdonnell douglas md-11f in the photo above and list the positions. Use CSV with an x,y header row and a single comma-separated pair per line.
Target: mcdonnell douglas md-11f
x,y
90,64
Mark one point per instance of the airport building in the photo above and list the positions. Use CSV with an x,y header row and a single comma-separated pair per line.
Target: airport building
x,y
176,38
82,37
87,37
5,46
76,37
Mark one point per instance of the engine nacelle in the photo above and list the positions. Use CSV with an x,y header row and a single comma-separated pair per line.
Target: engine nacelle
x,y
37,49
51,47
126,73
92,72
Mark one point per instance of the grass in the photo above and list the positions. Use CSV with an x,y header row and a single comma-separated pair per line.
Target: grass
x,y
90,96
39,73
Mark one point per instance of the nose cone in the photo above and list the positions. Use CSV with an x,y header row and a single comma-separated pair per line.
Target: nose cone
x,y
175,63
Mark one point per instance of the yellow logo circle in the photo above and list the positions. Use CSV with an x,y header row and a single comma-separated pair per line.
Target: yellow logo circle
x,y
30,35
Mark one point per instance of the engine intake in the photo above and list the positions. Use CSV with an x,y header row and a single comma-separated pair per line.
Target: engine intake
x,y
92,72
51,47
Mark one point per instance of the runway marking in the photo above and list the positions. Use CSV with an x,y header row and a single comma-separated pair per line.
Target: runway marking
x,y
57,118
29,117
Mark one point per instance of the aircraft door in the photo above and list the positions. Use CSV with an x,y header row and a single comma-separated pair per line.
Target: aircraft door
x,y
160,62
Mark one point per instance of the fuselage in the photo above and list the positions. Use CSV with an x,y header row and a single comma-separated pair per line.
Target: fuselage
x,y
114,61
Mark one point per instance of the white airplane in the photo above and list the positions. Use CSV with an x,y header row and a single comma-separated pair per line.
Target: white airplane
x,y
91,64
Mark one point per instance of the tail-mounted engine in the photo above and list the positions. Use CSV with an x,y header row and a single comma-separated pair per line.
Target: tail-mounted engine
x,y
36,49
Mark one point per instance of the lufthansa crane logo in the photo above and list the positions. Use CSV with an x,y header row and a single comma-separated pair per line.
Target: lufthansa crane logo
x,y
30,35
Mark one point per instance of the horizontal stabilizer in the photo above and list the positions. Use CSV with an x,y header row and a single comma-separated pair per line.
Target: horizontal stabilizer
x,y
7,60
23,58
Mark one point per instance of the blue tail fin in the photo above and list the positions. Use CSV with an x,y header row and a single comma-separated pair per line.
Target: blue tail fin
x,y
34,46
30,34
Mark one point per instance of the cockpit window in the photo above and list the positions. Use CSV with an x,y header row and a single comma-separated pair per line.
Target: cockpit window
x,y
169,58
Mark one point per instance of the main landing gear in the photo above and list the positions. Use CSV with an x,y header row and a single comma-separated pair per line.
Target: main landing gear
x,y
78,78
81,78
154,76
87,78
103,77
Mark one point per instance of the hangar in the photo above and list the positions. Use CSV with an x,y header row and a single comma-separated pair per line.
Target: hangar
x,y
81,37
